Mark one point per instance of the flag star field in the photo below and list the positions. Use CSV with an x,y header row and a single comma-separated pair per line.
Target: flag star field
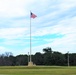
x,y
54,26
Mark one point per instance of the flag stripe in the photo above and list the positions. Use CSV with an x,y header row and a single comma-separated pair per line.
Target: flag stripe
x,y
33,15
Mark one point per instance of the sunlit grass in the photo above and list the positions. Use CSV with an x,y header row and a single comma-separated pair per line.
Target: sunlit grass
x,y
38,70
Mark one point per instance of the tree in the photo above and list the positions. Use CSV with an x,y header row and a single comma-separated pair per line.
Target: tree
x,y
38,58
58,58
12,60
21,60
72,59
47,50
1,60
7,54
47,56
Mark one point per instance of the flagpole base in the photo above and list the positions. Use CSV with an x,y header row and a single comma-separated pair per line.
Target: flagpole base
x,y
31,64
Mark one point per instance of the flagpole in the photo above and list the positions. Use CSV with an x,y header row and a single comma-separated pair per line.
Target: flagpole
x,y
30,63
28,57
30,37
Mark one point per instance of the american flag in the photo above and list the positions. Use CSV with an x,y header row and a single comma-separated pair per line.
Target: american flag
x,y
33,15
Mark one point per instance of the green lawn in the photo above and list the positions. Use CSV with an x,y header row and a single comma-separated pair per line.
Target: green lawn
x,y
38,70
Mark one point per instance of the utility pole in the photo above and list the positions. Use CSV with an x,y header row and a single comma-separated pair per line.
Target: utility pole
x,y
68,58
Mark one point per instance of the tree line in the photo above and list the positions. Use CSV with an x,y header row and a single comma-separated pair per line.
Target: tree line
x,y
49,57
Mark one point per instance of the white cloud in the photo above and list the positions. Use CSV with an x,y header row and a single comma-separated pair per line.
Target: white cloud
x,y
14,8
17,8
3,49
11,33
64,44
67,28
67,43
67,4
53,17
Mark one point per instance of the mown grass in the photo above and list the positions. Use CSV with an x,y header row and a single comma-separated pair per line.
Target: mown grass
x,y
37,70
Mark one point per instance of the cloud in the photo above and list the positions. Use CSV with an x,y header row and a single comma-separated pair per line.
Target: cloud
x,y
4,49
53,18
14,8
63,44
67,42
18,8
67,4
11,33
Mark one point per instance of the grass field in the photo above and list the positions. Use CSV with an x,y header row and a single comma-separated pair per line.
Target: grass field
x,y
38,70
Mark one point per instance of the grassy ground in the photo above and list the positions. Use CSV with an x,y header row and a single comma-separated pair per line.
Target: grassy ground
x,y
38,70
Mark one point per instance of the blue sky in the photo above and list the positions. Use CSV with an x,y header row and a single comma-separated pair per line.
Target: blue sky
x,y
54,26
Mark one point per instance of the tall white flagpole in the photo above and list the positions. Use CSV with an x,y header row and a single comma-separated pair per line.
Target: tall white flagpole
x,y
28,57
31,16
30,38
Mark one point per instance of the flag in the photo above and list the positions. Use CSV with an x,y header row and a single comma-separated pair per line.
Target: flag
x,y
33,15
